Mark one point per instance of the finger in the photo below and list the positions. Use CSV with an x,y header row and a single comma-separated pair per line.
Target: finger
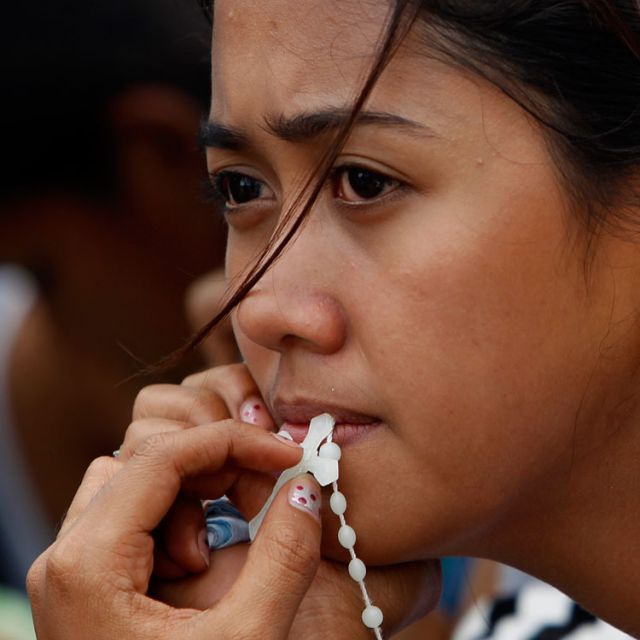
x,y
202,591
181,403
182,537
139,430
282,563
254,411
148,484
99,473
404,592
164,568
237,389
250,491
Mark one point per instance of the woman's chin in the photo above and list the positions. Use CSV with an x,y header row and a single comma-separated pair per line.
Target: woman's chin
x,y
427,574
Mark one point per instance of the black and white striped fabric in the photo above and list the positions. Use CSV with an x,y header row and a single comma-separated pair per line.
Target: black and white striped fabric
x,y
536,612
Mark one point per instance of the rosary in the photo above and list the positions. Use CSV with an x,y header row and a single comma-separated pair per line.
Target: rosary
x,y
321,460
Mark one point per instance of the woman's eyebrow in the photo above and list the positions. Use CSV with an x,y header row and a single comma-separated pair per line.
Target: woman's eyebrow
x,y
306,126
215,134
309,125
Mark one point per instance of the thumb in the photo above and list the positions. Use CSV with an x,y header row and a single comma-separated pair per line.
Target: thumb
x,y
281,564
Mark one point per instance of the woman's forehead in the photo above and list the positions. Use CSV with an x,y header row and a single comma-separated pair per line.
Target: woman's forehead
x,y
304,24
281,59
292,51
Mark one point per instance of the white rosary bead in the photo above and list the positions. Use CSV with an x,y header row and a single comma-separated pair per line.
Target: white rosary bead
x,y
346,536
321,460
330,450
372,617
338,503
357,570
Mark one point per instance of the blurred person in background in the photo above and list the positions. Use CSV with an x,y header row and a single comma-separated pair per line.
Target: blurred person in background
x,y
100,208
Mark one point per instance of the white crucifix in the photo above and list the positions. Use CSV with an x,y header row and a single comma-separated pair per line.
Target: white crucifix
x,y
325,470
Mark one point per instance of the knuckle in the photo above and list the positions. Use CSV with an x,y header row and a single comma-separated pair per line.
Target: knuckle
x,y
100,470
136,432
145,427
35,578
237,376
228,427
199,379
157,446
144,400
99,467
134,429
291,552
207,407
238,371
227,431
62,568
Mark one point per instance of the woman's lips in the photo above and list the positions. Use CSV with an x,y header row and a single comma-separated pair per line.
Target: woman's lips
x,y
343,433
295,415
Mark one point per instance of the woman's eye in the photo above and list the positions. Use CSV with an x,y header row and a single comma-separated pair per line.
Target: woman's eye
x,y
356,184
238,188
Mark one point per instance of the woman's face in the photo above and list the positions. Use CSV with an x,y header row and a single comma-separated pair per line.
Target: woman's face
x,y
435,300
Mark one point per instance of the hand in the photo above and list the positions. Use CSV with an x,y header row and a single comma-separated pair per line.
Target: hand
x,y
210,396
92,582
331,607
404,592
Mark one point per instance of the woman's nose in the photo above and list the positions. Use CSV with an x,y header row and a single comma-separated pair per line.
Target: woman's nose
x,y
282,314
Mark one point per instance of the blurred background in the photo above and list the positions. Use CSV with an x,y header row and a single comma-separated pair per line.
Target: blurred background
x,y
102,231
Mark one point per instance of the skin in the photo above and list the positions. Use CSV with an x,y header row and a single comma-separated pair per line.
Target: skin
x,y
123,503
455,308
144,505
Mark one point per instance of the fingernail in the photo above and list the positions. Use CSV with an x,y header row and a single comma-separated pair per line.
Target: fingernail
x,y
304,494
285,440
254,411
203,546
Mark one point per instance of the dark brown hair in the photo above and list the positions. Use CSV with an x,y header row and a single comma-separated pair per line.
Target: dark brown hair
x,y
573,65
